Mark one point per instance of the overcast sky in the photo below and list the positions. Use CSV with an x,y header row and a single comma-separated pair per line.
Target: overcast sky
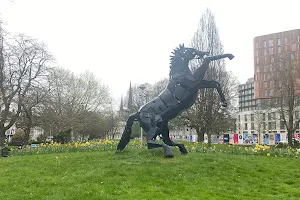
x,y
131,40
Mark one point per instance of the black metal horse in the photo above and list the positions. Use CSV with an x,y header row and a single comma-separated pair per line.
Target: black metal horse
x,y
179,95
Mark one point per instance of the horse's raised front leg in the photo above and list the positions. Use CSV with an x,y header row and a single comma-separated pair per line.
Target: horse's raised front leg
x,y
216,85
218,57
168,141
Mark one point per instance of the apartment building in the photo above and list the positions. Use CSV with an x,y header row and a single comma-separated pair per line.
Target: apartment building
x,y
266,49
246,96
252,120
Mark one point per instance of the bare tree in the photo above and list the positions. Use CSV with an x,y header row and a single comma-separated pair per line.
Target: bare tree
x,y
284,73
206,115
259,120
29,115
73,100
112,123
23,61
158,87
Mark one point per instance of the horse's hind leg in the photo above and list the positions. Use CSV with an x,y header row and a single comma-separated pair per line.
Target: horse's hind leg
x,y
151,143
168,141
126,133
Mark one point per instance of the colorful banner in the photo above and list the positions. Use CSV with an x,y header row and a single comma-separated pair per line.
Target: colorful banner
x,y
266,138
272,139
235,138
240,139
283,137
255,138
277,138
231,139
246,139
226,138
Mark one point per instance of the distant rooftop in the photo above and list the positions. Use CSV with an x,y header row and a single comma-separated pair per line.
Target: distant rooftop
x,y
277,33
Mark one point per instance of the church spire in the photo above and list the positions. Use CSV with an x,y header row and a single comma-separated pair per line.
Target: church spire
x,y
121,104
130,98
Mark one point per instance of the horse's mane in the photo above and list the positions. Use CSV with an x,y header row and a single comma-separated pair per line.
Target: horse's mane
x,y
177,60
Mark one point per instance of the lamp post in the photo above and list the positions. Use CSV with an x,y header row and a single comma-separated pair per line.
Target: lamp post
x,y
142,88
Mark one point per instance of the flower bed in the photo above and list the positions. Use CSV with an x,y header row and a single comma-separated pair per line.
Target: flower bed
x,y
110,145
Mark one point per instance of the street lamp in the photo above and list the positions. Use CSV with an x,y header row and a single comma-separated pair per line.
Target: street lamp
x,y
142,87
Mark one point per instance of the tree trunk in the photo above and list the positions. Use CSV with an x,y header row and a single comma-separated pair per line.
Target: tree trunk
x,y
27,133
208,139
290,137
291,124
28,125
200,133
2,137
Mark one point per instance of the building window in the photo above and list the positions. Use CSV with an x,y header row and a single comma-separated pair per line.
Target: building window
x,y
265,43
281,125
246,126
274,125
252,126
272,59
266,68
265,84
271,50
269,116
278,42
266,93
257,60
252,117
239,118
270,43
279,50
294,47
296,114
292,56
286,49
265,52
245,118
274,115
256,45
269,125
286,41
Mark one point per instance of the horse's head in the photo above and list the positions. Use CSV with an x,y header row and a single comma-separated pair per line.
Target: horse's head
x,y
182,56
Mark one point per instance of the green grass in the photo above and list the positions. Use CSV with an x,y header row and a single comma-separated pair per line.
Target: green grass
x,y
146,174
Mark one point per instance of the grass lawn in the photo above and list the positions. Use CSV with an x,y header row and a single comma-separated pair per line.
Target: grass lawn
x,y
146,174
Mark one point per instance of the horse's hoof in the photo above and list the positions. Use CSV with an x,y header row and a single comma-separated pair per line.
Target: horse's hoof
x,y
168,152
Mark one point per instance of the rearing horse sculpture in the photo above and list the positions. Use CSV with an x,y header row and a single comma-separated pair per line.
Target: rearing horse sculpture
x,y
180,94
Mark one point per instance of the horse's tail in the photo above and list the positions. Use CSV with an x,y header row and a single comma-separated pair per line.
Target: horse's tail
x,y
127,132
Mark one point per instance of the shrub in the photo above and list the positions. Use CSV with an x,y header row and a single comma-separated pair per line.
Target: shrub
x,y
18,136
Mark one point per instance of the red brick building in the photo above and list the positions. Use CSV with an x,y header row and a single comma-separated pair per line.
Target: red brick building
x,y
266,50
